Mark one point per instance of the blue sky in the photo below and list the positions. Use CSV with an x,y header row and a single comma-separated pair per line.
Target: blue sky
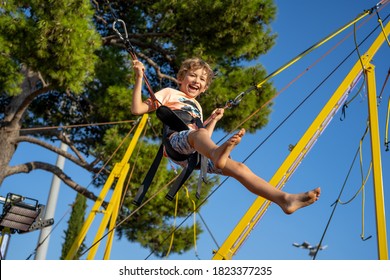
x,y
299,25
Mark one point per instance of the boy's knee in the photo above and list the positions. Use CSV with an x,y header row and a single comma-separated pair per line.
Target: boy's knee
x,y
201,132
196,135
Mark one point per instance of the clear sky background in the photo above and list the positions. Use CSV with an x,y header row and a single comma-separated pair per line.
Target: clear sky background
x,y
299,24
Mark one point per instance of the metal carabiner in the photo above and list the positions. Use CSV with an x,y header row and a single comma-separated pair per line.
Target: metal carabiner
x,y
117,31
240,96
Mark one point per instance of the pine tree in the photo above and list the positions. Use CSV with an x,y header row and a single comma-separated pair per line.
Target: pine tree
x,y
75,223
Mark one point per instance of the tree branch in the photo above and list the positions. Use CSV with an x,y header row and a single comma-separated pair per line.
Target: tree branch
x,y
54,132
157,68
29,91
34,165
82,163
64,138
114,40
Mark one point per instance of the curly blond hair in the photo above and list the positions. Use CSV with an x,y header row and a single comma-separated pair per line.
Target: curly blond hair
x,y
195,64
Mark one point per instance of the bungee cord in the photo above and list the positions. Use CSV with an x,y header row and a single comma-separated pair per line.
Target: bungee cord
x,y
239,97
65,127
387,126
332,72
338,200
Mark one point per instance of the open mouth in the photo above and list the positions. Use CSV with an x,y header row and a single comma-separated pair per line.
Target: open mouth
x,y
193,87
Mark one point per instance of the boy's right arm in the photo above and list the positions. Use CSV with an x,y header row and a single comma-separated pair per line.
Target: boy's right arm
x,y
138,107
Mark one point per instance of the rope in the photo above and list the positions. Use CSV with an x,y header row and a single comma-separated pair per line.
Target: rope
x,y
174,224
74,125
382,27
384,84
302,73
387,126
364,180
130,49
130,215
303,54
335,206
346,104
337,202
194,214
208,230
132,170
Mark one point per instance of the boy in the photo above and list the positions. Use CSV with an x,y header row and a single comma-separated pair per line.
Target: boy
x,y
194,77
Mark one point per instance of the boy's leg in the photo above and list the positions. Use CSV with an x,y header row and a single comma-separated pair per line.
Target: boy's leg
x,y
288,202
201,141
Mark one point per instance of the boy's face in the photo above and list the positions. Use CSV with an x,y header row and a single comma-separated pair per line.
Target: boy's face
x,y
194,82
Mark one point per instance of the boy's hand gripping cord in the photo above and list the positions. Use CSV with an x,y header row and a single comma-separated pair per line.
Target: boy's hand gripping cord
x,y
130,49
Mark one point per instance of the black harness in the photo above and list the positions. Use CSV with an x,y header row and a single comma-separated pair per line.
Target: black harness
x,y
174,120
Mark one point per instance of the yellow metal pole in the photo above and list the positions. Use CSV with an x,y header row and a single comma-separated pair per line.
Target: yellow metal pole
x,y
115,212
137,134
95,208
119,170
108,214
258,208
260,205
376,164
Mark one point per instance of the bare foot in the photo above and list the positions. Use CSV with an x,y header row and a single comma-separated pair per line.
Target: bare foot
x,y
220,155
297,201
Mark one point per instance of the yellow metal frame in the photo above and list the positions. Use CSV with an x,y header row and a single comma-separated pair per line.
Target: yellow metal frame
x,y
376,164
118,174
242,230
282,175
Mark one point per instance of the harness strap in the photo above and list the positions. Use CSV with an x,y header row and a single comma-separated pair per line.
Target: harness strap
x,y
173,122
171,118
149,177
192,163
202,175
177,121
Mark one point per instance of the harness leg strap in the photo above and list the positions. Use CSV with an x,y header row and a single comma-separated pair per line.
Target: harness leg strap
x,y
149,178
192,163
202,175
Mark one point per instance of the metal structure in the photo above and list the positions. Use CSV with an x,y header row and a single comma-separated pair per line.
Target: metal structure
x,y
20,215
253,215
242,230
110,214
312,249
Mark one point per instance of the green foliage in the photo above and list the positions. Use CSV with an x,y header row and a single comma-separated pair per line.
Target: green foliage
x,y
75,223
228,86
73,47
56,38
